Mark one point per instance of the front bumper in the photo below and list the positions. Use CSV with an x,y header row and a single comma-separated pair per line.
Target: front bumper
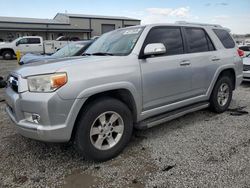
x,y
57,116
246,76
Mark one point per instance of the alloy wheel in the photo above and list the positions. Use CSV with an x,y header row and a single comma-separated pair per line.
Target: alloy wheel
x,y
107,130
223,94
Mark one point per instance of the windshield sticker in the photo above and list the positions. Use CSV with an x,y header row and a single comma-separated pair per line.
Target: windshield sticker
x,y
132,31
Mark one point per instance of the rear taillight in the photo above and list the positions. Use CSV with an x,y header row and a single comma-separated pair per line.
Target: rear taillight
x,y
240,52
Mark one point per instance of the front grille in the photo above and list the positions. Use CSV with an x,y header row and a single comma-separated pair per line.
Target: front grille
x,y
13,83
246,67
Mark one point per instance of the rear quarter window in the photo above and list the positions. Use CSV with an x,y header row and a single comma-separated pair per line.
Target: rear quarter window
x,y
225,38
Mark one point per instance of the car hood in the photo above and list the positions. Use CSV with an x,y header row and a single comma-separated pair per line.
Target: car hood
x,y
5,44
246,61
52,66
31,58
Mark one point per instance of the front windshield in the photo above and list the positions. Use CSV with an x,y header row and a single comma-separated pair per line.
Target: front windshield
x,y
119,42
16,40
68,50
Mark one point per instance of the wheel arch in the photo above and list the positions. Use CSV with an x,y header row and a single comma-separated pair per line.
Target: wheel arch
x,y
6,49
122,94
229,71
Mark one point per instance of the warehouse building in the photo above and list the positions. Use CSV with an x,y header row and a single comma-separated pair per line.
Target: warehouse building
x,y
69,25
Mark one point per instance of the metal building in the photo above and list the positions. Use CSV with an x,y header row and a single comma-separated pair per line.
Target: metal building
x,y
69,25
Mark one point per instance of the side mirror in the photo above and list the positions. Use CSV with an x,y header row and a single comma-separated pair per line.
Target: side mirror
x,y
155,49
17,43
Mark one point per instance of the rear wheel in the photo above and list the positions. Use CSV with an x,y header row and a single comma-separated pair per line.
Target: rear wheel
x,y
222,95
8,55
104,129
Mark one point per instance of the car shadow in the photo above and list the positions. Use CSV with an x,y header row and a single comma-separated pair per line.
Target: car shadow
x,y
245,84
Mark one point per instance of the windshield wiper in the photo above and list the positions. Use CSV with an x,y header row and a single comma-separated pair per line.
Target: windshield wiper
x,y
103,54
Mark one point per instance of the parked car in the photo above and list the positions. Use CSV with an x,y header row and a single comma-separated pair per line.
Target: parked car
x,y
30,44
246,68
246,49
135,77
72,49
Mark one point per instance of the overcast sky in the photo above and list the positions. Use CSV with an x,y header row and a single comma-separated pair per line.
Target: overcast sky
x,y
234,14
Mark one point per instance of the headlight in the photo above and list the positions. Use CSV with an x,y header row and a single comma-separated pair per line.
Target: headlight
x,y
47,83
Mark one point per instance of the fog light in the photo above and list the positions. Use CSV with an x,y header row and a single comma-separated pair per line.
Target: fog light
x,y
33,118
36,118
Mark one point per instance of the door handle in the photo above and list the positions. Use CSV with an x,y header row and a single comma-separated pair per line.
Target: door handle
x,y
185,63
27,45
215,59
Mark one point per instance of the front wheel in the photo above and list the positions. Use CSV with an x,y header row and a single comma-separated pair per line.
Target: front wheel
x,y
222,95
8,55
104,129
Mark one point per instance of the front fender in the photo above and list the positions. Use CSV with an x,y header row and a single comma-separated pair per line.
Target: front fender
x,y
113,86
85,94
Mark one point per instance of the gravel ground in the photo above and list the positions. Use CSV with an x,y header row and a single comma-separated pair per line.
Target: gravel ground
x,y
201,149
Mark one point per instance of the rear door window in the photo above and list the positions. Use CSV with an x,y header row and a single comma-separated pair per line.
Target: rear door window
x,y
198,40
210,44
171,37
225,38
34,41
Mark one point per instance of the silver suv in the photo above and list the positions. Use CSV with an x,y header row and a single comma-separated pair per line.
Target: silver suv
x,y
135,77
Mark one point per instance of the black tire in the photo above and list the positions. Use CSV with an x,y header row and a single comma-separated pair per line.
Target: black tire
x,y
89,115
215,106
8,55
2,82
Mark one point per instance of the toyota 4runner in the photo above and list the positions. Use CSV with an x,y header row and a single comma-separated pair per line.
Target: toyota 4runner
x,y
135,77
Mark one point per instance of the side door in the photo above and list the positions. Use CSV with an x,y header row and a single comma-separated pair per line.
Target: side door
x,y
166,78
203,57
22,45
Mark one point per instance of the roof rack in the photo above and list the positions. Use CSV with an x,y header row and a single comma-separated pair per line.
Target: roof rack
x,y
199,24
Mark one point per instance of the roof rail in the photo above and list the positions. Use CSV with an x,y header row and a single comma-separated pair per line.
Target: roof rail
x,y
199,24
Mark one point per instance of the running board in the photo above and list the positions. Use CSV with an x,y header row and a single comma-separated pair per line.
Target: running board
x,y
156,120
